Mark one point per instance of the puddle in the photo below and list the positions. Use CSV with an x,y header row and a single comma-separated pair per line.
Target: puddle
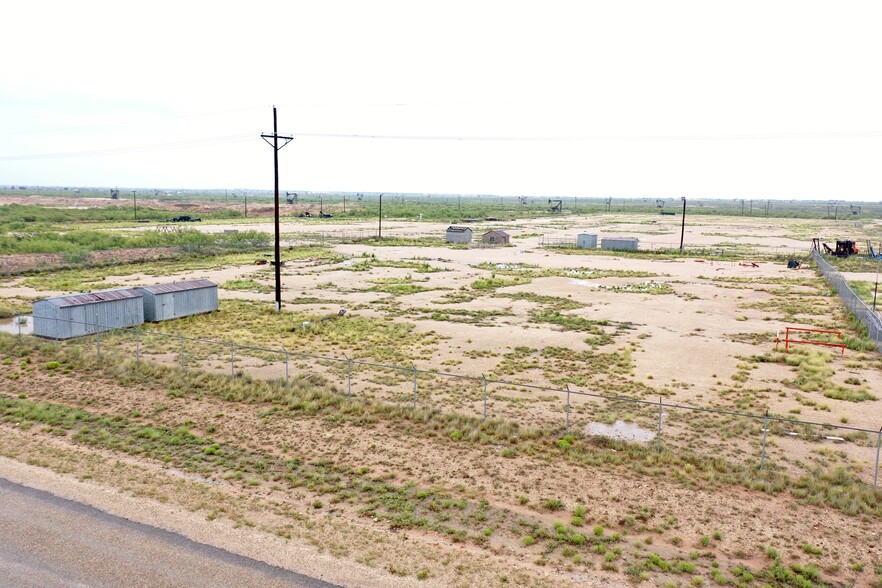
x,y
11,325
587,283
622,431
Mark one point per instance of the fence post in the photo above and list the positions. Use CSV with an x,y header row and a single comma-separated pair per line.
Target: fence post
x,y
137,344
567,430
232,360
414,385
483,377
183,366
348,376
765,433
878,446
286,366
659,435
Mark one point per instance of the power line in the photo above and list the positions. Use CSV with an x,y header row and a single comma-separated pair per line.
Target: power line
x,y
204,142
125,123
302,105
816,135
209,141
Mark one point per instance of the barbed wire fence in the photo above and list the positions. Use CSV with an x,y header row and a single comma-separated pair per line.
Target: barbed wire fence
x,y
747,438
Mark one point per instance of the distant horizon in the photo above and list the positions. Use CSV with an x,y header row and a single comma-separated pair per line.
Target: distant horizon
x,y
149,193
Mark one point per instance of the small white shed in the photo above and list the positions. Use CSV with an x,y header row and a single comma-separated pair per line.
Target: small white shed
x,y
620,243
586,241
459,234
178,299
76,315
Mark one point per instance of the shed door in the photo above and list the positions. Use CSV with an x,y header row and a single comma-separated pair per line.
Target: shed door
x,y
167,308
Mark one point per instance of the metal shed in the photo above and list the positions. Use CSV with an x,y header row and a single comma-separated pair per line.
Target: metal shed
x,y
459,234
496,237
586,241
620,243
168,301
76,315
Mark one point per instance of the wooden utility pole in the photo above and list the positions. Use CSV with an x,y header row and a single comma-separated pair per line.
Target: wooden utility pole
x,y
683,224
275,145
380,223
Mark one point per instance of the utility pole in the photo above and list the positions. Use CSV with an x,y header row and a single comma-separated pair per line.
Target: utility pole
x,y
683,224
878,264
380,223
135,202
275,145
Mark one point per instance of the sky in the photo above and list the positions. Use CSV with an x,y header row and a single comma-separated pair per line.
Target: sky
x,y
625,98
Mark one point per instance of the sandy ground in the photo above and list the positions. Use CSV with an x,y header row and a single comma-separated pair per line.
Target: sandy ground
x,y
685,346
745,518
688,347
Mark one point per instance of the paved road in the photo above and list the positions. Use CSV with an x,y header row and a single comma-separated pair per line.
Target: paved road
x,y
48,542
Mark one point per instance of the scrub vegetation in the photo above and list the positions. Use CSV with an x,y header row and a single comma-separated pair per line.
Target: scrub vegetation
x,y
587,423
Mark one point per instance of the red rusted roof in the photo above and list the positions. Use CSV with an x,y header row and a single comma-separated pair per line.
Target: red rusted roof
x,y
93,297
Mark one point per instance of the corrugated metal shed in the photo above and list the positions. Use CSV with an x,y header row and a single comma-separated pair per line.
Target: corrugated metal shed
x,y
178,286
586,241
459,234
620,243
76,315
496,237
92,297
178,299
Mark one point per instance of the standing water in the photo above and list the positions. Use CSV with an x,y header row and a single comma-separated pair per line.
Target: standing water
x,y
12,325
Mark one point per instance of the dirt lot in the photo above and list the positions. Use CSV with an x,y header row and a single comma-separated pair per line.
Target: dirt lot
x,y
693,332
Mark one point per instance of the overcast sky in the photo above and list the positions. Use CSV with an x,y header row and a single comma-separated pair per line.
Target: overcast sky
x,y
619,98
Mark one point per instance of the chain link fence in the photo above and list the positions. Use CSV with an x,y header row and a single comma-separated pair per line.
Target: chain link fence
x,y
866,315
558,242
755,440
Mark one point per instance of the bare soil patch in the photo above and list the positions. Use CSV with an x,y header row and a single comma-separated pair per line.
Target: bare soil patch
x,y
692,332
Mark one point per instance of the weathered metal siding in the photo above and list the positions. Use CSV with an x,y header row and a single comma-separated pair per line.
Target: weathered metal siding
x,y
55,321
45,323
496,237
149,306
459,236
586,241
619,243
171,305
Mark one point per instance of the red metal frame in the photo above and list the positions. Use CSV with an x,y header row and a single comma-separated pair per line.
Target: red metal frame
x,y
788,340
